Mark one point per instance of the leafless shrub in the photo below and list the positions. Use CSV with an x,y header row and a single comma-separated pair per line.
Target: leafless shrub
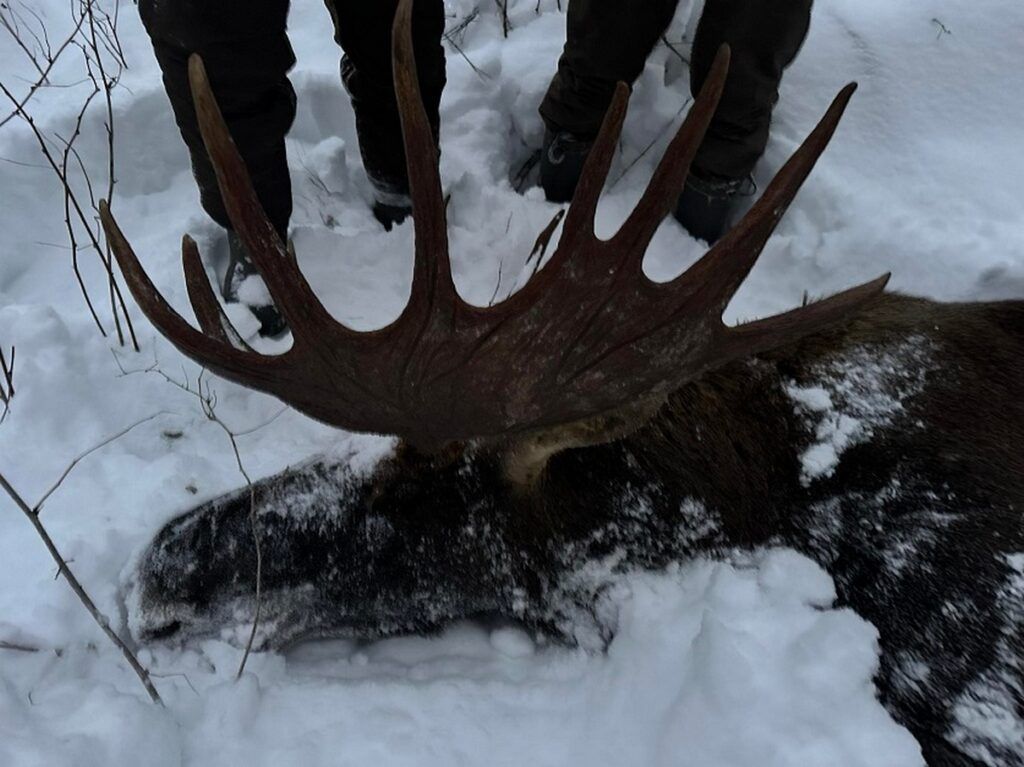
x,y
455,36
93,39
33,513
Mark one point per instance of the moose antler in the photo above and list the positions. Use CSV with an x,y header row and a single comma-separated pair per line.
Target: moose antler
x,y
589,336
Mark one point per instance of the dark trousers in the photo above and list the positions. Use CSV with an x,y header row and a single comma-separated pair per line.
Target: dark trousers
x,y
247,54
608,41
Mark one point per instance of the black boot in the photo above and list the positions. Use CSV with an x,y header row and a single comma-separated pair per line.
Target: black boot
x,y
240,268
562,158
705,208
707,204
391,204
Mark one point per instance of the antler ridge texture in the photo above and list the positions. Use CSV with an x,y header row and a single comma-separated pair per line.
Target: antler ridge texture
x,y
589,335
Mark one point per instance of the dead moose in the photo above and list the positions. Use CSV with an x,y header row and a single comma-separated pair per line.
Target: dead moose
x,y
596,412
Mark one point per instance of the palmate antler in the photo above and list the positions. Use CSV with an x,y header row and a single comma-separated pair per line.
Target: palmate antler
x,y
590,335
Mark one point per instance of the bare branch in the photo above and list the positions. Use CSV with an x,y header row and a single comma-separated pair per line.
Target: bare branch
x,y
94,35
650,145
208,404
942,29
80,592
9,23
6,383
668,44
506,26
15,646
78,459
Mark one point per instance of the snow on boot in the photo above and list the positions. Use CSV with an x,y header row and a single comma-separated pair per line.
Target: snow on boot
x,y
390,207
240,268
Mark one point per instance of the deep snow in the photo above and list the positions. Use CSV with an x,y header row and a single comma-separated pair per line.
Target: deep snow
x,y
739,663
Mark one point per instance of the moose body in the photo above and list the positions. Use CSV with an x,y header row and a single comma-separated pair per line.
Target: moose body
x,y
596,422
888,451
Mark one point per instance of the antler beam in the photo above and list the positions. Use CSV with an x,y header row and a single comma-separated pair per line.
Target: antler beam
x,y
587,336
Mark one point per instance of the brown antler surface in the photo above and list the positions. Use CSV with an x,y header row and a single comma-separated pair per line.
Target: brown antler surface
x,y
589,335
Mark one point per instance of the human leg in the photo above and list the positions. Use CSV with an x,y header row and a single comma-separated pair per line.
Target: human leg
x,y
607,42
764,36
247,55
363,29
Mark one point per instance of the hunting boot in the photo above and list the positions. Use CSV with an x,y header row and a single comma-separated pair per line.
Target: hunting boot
x,y
391,202
562,158
705,208
707,205
240,268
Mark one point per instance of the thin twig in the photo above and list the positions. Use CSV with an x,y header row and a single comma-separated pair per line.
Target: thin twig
x,y
254,526
94,35
44,73
174,674
263,425
16,647
558,4
78,459
106,84
943,29
7,383
651,143
208,403
497,285
459,29
505,25
80,592
671,47
479,72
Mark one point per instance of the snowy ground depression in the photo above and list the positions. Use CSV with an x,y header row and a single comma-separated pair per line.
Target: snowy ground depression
x,y
715,664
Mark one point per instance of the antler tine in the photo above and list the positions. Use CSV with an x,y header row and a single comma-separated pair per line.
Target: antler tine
x,y
579,221
723,268
292,294
432,283
203,349
771,332
208,311
663,189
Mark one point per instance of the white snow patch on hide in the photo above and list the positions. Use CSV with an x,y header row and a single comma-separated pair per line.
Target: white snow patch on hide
x,y
984,718
852,396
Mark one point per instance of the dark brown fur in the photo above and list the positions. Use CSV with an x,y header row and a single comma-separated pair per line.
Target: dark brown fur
x,y
916,522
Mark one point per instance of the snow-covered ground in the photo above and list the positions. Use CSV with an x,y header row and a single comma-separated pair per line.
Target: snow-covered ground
x,y
741,663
